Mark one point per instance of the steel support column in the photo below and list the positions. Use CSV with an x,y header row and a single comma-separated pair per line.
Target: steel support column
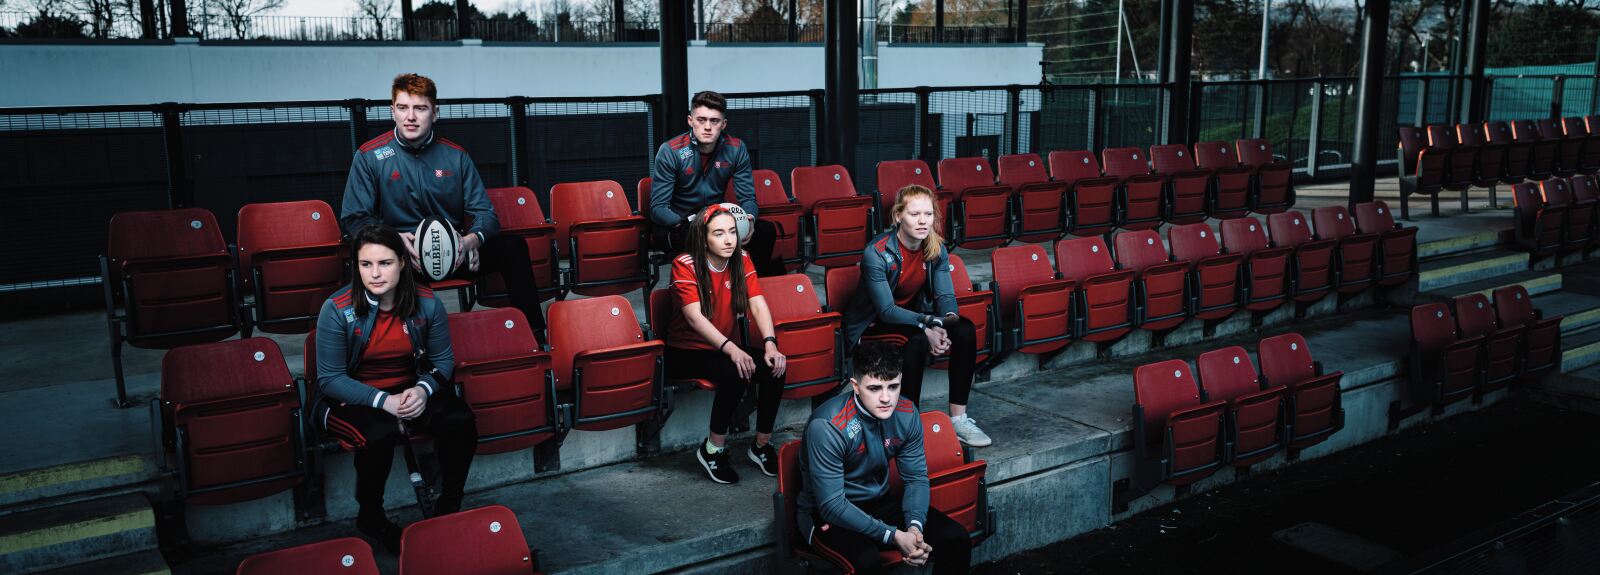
x,y
842,83
674,66
1022,21
1477,50
1369,91
180,19
619,21
938,20
1180,60
408,25
463,19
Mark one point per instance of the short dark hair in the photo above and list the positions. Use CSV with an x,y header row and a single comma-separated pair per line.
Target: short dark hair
x,y
405,290
879,359
709,99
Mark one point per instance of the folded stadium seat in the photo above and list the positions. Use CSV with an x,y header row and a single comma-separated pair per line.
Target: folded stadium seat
x,y
1459,165
1188,193
1586,190
1160,286
1255,414
1139,192
1579,231
1315,409
345,556
1519,153
1444,367
606,246
1313,272
1266,269
840,286
1397,245
1214,286
794,551
1091,196
1502,346
956,484
1231,181
811,338
975,305
982,208
175,277
483,541
1569,149
1491,167
1541,341
1540,228
231,422
1577,128
601,356
1543,150
1272,187
774,205
1041,202
1105,293
662,308
896,174
505,378
1356,258
292,257
1035,304
519,214
837,221
1422,169
641,203
1177,432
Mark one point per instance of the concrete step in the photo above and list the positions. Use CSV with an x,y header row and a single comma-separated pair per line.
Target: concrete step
x,y
1464,268
76,533
1580,350
1461,243
1537,282
20,490
142,563
1579,311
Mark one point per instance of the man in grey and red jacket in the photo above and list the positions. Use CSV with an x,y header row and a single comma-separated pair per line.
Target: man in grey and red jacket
x,y
846,509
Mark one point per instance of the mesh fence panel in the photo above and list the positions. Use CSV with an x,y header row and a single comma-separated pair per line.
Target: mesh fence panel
x,y
779,131
243,155
1578,97
587,141
1065,119
1227,111
889,130
1288,119
1131,116
971,123
1520,98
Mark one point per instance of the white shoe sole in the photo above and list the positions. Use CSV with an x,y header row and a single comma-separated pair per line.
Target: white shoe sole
x,y
984,443
700,455
757,461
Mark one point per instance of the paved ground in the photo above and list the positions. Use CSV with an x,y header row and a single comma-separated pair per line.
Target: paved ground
x,y
1408,493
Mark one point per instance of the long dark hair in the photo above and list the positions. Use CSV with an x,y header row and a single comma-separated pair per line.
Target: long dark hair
x,y
699,248
405,290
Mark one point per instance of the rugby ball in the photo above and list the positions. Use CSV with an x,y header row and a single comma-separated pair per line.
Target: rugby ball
x,y
437,246
745,222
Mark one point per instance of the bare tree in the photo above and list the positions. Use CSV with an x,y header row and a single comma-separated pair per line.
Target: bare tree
x,y
377,10
238,13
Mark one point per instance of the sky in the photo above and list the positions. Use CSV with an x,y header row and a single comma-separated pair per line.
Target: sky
x,y
347,7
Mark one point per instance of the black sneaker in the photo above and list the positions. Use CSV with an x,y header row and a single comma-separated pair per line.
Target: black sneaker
x,y
765,457
717,465
379,528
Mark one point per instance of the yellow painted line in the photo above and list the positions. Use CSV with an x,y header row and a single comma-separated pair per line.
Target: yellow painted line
x,y
96,527
71,473
1457,243
1583,318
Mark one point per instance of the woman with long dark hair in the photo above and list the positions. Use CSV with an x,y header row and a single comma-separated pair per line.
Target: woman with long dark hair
x,y
713,283
383,366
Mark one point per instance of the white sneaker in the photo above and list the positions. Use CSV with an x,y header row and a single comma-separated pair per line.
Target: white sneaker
x,y
968,432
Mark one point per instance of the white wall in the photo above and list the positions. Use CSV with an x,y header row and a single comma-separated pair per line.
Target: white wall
x,y
91,74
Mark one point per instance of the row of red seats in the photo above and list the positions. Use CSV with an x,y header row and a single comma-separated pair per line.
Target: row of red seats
x,y
1459,157
1472,346
482,541
1557,215
1184,429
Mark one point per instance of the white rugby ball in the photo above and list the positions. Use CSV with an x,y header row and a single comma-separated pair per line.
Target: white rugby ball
x,y
437,243
745,222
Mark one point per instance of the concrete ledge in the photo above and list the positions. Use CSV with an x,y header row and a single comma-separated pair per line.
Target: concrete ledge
x,y
143,563
76,533
1460,269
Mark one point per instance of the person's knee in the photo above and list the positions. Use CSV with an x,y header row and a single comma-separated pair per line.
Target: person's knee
x,y
948,533
962,332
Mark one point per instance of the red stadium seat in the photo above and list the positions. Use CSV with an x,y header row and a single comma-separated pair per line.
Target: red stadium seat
x,y
1459,163
483,541
956,485
1255,414
977,306
1160,286
1312,274
1188,194
1177,433
1569,149
1491,167
1035,305
1105,293
1444,367
811,338
1231,197
1540,228
982,208
1357,255
773,204
1587,156
1041,203
1541,342
1091,197
344,556
1579,231
1542,157
1315,409
1140,192
1397,246
641,194
505,378
1502,346
231,421
175,277
520,215
1272,189
663,308
1266,269
1518,153
601,356
293,257
840,285
1586,190
838,221
896,174
606,246
1214,286
1422,169
794,552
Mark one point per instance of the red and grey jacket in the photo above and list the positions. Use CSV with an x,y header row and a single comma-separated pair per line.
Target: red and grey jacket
x,y
342,338
846,463
880,272
680,185
397,184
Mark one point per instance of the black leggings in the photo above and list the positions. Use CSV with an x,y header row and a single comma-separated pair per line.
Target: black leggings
x,y
763,238
508,255
373,434
963,357
853,552
718,368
